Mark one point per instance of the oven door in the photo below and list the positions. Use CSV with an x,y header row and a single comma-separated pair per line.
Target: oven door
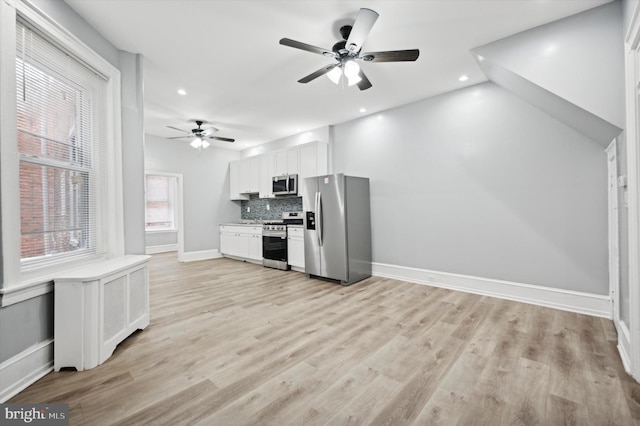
x,y
274,246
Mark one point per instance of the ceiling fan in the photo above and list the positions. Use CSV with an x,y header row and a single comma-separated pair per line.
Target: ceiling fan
x,y
348,51
200,135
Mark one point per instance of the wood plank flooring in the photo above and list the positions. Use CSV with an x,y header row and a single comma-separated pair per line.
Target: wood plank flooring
x,y
232,343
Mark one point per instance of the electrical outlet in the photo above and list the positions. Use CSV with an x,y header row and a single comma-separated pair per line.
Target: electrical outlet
x,y
248,209
268,207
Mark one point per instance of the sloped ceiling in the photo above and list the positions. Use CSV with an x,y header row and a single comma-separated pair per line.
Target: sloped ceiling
x,y
572,69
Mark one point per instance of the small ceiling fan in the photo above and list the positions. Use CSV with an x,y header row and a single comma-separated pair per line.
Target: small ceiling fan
x,y
348,51
200,135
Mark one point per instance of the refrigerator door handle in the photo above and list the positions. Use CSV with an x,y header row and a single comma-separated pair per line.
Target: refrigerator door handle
x,y
319,216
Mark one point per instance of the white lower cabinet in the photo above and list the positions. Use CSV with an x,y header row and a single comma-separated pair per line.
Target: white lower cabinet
x,y
243,242
96,307
255,246
295,248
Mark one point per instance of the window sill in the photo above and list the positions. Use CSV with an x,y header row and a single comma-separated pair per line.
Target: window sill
x,y
44,284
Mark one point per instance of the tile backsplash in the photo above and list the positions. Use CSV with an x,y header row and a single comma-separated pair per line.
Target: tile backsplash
x,y
258,207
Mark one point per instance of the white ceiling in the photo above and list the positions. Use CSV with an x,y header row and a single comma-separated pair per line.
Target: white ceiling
x,y
226,55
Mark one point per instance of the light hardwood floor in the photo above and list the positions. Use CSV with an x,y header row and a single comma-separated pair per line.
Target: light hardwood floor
x,y
232,343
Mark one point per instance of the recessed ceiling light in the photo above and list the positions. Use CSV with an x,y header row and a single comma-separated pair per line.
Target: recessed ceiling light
x,y
463,78
363,110
182,92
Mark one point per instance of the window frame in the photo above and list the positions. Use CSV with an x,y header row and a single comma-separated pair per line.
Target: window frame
x,y
18,285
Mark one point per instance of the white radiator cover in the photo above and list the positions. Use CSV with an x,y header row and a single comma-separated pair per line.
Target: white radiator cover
x,y
96,307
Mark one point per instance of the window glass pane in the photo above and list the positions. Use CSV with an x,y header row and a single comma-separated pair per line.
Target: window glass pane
x,y
53,210
160,195
47,115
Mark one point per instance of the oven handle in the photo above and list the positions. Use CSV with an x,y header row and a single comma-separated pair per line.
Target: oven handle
x,y
319,217
282,235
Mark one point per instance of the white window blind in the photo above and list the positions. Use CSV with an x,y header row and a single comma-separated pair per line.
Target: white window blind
x,y
61,142
160,193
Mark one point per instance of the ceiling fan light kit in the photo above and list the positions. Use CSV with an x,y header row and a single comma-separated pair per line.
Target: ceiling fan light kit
x,y
346,52
199,143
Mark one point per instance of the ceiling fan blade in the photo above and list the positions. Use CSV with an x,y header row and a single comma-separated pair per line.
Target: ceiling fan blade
x,y
361,28
179,137
322,71
391,56
364,83
180,130
218,138
304,46
209,130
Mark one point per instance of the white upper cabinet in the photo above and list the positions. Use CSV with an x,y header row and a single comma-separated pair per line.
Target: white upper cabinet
x,y
234,182
250,175
267,172
286,162
280,164
313,160
255,174
293,162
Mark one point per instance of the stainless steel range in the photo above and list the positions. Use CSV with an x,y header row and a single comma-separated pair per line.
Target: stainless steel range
x,y
274,240
274,245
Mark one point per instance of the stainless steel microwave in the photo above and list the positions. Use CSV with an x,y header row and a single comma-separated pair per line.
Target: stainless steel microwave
x,y
285,185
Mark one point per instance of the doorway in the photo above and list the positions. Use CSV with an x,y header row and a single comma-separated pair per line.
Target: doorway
x,y
164,225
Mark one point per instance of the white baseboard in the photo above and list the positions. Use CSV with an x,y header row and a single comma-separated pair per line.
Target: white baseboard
x,y
624,344
25,368
567,300
161,249
192,256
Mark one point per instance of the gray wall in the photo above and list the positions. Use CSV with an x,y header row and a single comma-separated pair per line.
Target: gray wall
x,y
205,184
479,182
131,68
161,238
27,323
24,324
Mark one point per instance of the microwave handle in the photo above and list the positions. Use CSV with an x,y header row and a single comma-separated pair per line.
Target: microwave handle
x,y
293,189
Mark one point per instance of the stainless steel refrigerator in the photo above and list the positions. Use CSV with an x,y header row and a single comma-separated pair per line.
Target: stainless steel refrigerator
x,y
337,228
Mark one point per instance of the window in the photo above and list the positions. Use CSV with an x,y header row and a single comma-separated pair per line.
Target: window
x,y
60,153
160,211
60,143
